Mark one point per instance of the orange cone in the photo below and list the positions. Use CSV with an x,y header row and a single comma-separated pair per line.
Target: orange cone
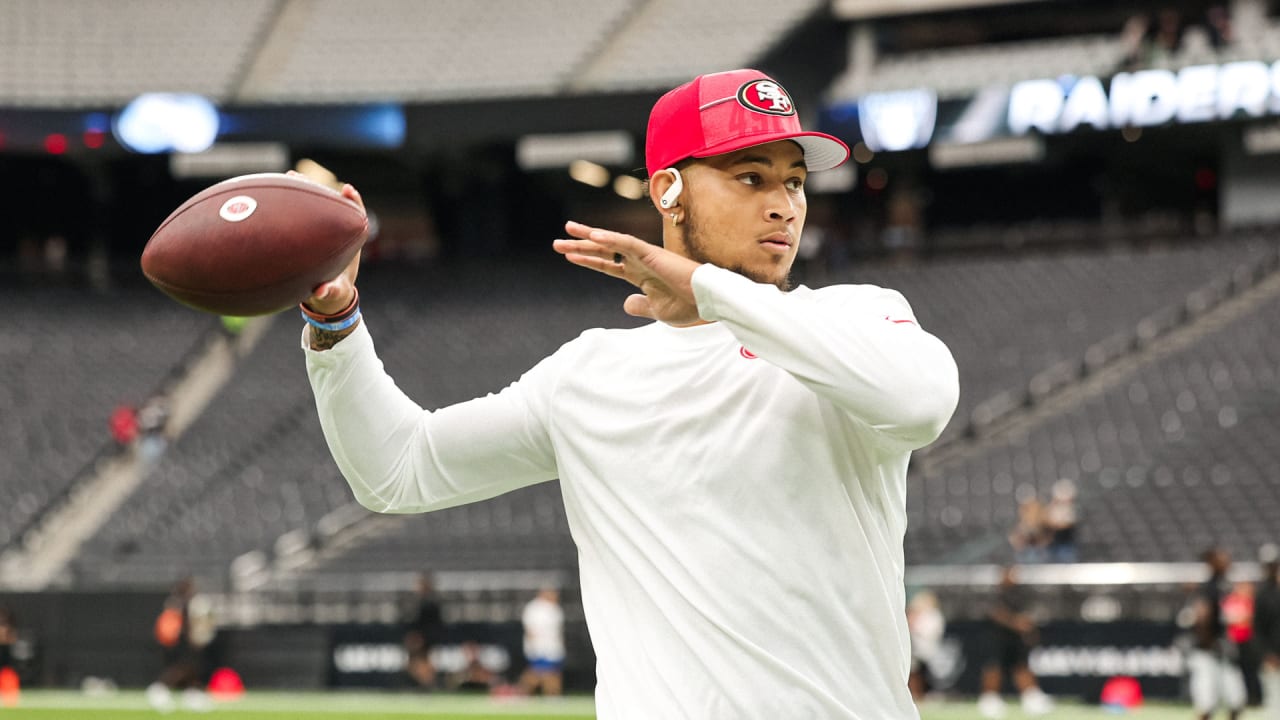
x,y
10,687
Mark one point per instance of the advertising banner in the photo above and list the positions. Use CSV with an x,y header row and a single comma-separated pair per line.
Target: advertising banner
x,y
910,119
1072,659
375,655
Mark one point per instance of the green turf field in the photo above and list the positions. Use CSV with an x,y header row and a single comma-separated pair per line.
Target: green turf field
x,y
132,705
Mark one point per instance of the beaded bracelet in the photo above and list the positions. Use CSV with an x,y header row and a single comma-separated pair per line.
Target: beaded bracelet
x,y
340,320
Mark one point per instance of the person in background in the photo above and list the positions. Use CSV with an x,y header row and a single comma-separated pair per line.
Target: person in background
x,y
543,621
1216,679
9,683
1060,521
1013,632
474,675
1030,536
425,631
153,428
179,636
1266,629
1167,34
8,636
124,425
1237,616
1218,22
927,625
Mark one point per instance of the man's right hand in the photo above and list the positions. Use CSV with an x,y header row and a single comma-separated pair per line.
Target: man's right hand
x,y
335,295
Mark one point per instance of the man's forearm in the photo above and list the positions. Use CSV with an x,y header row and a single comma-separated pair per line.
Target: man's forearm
x,y
862,351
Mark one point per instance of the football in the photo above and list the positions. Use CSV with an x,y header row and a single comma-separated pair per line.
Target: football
x,y
254,245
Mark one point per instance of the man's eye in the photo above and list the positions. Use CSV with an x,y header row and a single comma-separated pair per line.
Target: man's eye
x,y
749,179
795,184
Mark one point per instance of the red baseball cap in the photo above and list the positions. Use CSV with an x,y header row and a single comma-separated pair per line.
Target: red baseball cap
x,y
723,112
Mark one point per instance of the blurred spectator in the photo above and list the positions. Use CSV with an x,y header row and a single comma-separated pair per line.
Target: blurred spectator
x,y
1266,630
424,633
903,234
1134,40
1237,617
1237,613
927,625
8,636
543,621
153,421
1030,536
1155,40
1214,663
9,684
1218,22
179,634
55,254
124,425
473,675
30,255
1166,38
1012,634
1060,521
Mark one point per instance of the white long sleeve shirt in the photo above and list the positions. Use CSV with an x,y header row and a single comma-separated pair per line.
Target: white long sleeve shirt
x,y
736,490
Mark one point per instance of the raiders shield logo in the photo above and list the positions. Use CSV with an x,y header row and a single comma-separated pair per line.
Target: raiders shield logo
x,y
765,96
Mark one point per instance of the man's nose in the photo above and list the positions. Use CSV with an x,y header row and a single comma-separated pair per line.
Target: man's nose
x,y
782,205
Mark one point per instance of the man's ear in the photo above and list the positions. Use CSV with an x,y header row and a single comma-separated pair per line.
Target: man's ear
x,y
665,188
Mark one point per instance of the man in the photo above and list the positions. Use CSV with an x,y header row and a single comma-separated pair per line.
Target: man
x,y
183,629
927,626
733,474
1013,633
1216,678
543,622
1266,629
424,633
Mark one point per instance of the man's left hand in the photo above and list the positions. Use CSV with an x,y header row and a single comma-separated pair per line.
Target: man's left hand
x,y
664,278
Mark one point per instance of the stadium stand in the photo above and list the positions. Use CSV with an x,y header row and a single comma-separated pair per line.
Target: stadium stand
x,y
619,45
1135,356
1046,309
406,50
242,459
220,489
255,467
954,72
654,53
1168,460
962,70
80,53
67,370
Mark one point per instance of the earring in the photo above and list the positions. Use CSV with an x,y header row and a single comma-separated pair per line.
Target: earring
x,y
675,219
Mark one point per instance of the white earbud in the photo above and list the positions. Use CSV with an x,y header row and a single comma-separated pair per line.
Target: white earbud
x,y
673,193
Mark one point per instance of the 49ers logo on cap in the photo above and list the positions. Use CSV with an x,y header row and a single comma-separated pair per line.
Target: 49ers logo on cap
x,y
766,96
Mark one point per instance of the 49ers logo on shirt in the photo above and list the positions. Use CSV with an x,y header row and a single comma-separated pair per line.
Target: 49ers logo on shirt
x,y
765,96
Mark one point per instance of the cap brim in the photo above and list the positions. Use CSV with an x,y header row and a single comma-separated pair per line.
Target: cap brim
x,y
821,151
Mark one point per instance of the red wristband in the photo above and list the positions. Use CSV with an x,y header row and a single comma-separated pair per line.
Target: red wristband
x,y
351,309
